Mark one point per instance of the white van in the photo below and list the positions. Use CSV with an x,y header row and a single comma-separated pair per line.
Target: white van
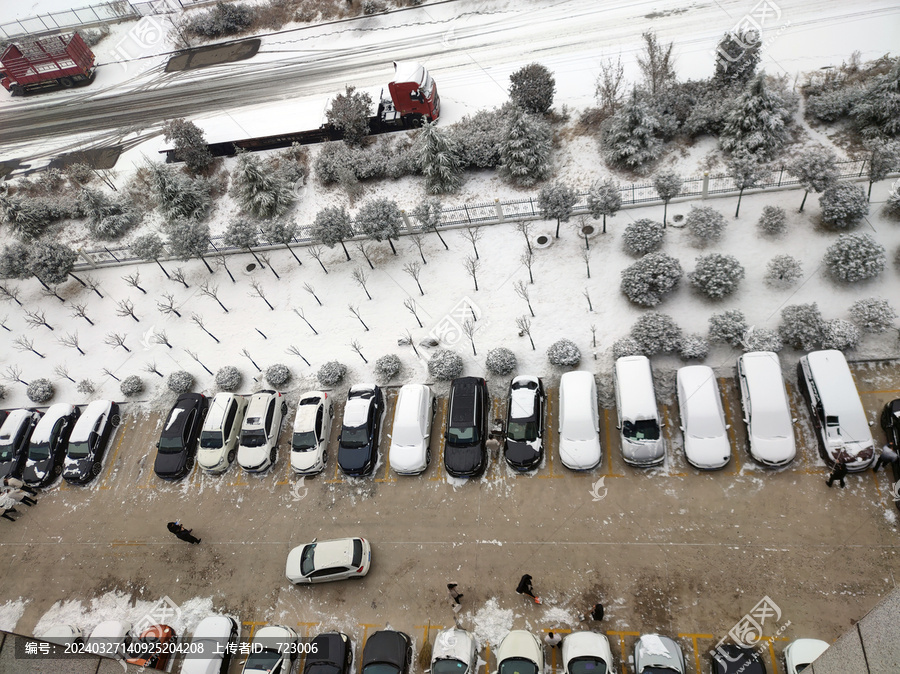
x,y
220,432
706,443
579,421
767,411
409,452
639,424
837,412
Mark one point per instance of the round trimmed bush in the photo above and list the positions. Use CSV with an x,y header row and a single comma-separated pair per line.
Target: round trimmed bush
x,y
40,390
844,205
131,386
564,353
228,378
773,221
855,257
445,364
716,275
626,346
840,334
873,315
180,381
693,347
705,224
388,366
762,339
85,386
643,236
278,375
650,278
500,361
331,373
783,271
728,327
656,333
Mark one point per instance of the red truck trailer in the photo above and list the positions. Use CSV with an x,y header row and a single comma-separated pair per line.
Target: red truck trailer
x,y
58,60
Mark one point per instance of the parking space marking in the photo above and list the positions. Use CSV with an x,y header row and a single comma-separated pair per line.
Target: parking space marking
x,y
693,638
891,390
306,627
550,434
426,630
609,444
621,636
239,480
253,625
336,479
487,659
554,650
669,436
728,407
442,415
494,471
365,636
112,461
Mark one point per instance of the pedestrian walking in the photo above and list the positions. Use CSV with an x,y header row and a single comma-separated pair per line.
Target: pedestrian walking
x,y
525,587
455,595
839,472
181,533
19,496
888,456
16,483
552,639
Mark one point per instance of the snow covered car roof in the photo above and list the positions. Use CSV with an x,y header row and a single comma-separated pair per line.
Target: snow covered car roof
x,y
524,389
85,424
306,410
839,395
44,428
635,382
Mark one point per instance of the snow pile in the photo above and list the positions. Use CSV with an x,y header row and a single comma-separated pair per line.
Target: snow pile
x,y
492,623
10,612
559,616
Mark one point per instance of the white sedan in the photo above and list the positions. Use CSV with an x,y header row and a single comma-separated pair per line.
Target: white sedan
x,y
274,652
259,432
801,653
706,443
454,652
312,431
520,652
586,653
324,561
214,633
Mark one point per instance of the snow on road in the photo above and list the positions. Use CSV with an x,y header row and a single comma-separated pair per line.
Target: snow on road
x,y
10,612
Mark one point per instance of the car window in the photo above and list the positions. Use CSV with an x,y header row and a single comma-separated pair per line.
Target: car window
x,y
188,425
330,571
319,416
97,425
229,420
270,414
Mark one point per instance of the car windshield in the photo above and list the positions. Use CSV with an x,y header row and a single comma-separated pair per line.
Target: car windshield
x,y
522,431
210,440
39,451
170,445
448,666
262,662
587,665
321,668
253,438
380,668
303,442
78,450
6,451
462,435
308,559
517,666
642,429
354,437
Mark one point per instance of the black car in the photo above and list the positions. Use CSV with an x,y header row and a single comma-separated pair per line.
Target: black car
x,y
358,444
47,445
732,659
387,652
178,442
330,653
14,436
524,446
465,454
890,423
88,441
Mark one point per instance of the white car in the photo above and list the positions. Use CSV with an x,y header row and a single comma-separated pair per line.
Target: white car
x,y
706,443
259,433
214,633
409,452
579,421
112,638
454,652
274,652
801,653
767,411
221,432
312,432
654,653
520,652
587,653
62,635
324,561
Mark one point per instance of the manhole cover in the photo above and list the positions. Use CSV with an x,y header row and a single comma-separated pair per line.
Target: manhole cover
x,y
587,230
251,266
543,241
678,218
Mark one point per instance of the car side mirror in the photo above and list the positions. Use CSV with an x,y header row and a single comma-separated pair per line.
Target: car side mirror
x,y
727,426
794,420
157,445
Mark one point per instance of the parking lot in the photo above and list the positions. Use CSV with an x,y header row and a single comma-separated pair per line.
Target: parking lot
x,y
672,549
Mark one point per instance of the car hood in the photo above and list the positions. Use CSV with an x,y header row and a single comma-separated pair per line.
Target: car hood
x,y
521,644
210,458
644,451
579,454
453,643
252,457
385,646
36,472
804,651
304,460
169,464
214,627
407,457
7,468
77,468
522,453
653,650
773,450
354,460
463,460
707,452
586,644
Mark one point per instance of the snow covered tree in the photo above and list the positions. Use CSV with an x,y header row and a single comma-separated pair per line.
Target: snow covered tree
x,y
40,391
225,18
428,213
525,148
149,247
242,233
884,157
705,224
228,378
564,352
604,198
180,381
631,139
815,168
783,271
331,373
746,171
656,333
728,327
30,216
258,188
873,315
801,326
693,347
188,143
657,64
478,138
85,386
843,205
189,239
439,159
773,221
388,366
333,225
380,219
532,87
626,346
892,203
716,275
738,55
500,361
51,262
178,195
855,257
667,185
757,122
349,114
14,261
877,112
131,386
650,278
643,236
445,365
762,339
283,231
840,334
278,375
557,201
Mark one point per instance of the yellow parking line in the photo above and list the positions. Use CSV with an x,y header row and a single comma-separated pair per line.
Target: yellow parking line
x,y
387,432
772,655
427,629
335,479
306,627
112,460
239,480
868,393
496,413
442,411
253,625
732,433
487,659
365,636
621,636
693,638
150,475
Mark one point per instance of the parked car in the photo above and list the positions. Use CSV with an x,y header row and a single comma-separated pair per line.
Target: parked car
x,y
655,654
733,659
454,652
586,653
221,432
88,441
325,561
890,423
579,421
465,451
520,652
14,436
638,415
312,432
62,634
801,653
113,637
706,443
214,634
838,417
330,653
358,443
178,441
524,445
153,648
767,411
387,652
258,447
3,415
275,651
410,451
48,443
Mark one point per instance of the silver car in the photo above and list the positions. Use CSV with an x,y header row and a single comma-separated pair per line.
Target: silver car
x,y
654,652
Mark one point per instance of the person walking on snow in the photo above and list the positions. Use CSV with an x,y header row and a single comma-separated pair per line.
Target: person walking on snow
x,y
888,456
181,533
525,587
595,614
839,472
552,639
455,595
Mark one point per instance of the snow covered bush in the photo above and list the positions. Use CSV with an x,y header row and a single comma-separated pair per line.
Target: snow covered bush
x,y
757,121
478,138
29,217
643,236
131,385
278,375
258,188
349,114
40,390
564,353
114,227
379,219
646,281
525,148
728,327
705,224
604,198
693,347
762,339
338,163
228,378
445,364
832,104
556,201
892,203
14,261
85,386
180,382
332,225
873,315
801,326
500,361
532,87
331,373
51,261
439,158
189,144
716,275
2,391
226,18
656,333
877,112
773,221
855,257
626,346
631,137
178,195
840,334
783,271
388,366
843,205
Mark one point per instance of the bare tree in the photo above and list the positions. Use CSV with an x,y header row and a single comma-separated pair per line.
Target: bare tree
x,y
355,311
151,368
80,311
363,247
594,336
524,228
586,256
528,260
178,275
414,269
247,355
410,304
356,346
294,351
134,280
110,374
198,321
193,354
22,343
211,290
469,329
409,338
36,319
4,325
473,235
10,293
160,337
657,64
524,325
267,263
419,242
316,252
312,291
115,339
361,278
471,265
300,313
168,306
260,293
522,291
70,339
51,292
610,84
587,296
220,262
126,308
92,283
14,374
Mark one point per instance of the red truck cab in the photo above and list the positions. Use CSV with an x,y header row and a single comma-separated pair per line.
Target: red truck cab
x,y
57,60
414,93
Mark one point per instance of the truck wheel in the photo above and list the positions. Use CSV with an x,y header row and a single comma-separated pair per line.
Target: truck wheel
x,y
66,82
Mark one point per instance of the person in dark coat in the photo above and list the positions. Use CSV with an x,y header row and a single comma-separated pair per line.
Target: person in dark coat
x,y
181,533
525,587
6,513
595,614
455,595
888,456
839,472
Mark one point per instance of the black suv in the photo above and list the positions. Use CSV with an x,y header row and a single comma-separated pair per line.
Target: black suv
x,y
14,436
465,454
178,441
